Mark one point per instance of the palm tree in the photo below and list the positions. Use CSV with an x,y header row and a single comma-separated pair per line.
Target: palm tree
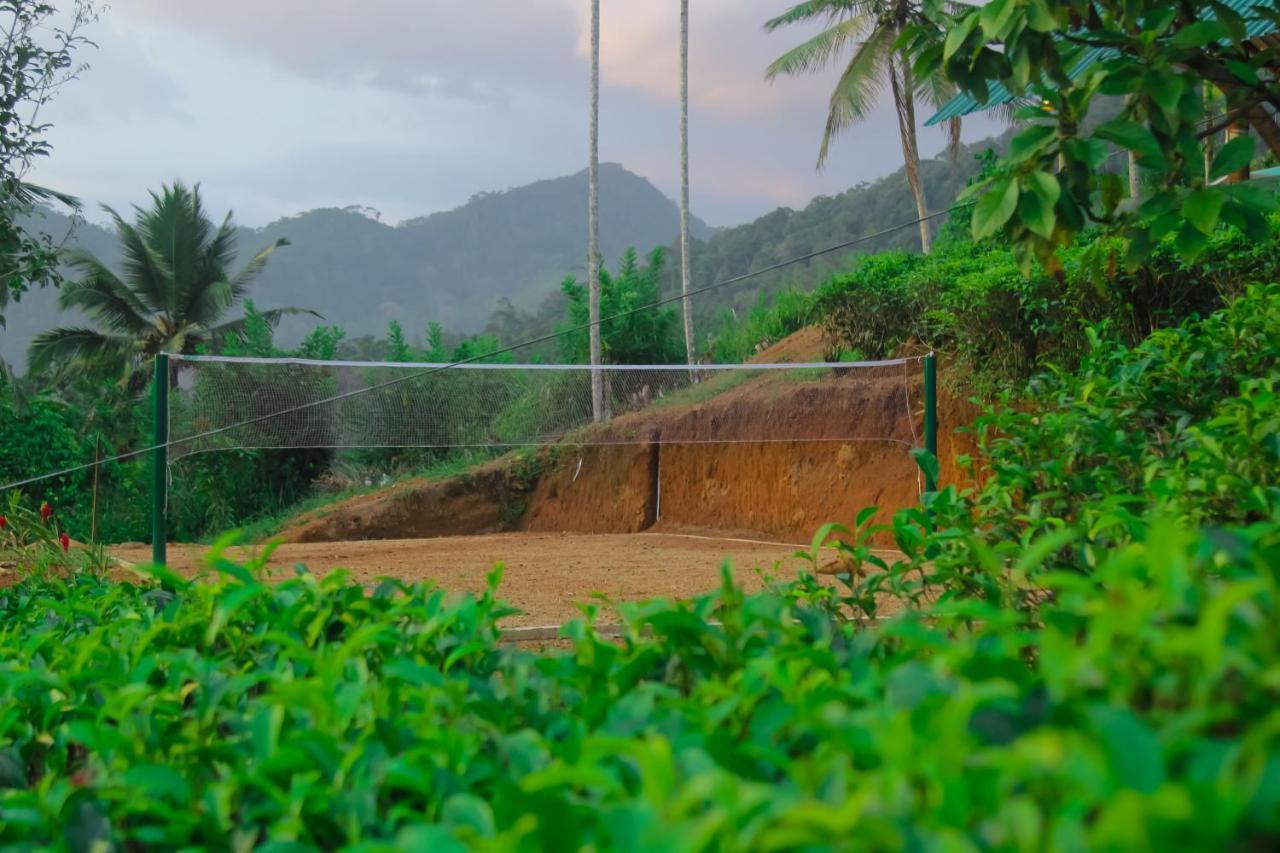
x,y
593,220
684,180
172,295
870,28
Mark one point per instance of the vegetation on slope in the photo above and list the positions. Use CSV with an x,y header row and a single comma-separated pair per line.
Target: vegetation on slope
x,y
1099,671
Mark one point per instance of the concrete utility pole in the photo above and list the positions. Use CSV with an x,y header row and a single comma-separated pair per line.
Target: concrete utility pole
x,y
593,220
684,182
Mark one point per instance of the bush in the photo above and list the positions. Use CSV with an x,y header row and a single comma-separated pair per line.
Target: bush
x,y
1131,712
1187,424
971,301
770,320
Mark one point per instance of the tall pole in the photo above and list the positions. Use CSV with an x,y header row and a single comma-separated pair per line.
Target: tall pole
x,y
160,461
931,416
593,220
684,181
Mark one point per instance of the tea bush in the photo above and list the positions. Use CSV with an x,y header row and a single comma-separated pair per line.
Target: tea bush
x,y
1136,709
972,302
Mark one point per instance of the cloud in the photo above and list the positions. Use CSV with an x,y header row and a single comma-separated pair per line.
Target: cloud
x,y
433,47
728,53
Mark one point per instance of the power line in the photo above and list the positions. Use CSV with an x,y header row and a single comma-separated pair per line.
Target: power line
x,y
500,351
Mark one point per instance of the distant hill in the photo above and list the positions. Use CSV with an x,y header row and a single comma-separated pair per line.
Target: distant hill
x,y
451,267
863,210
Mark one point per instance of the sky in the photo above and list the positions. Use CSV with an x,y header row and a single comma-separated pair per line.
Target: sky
x,y
412,106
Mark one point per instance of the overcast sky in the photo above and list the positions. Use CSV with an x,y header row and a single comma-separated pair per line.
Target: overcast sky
x,y
412,106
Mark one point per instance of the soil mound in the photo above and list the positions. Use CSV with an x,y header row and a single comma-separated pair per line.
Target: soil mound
x,y
771,457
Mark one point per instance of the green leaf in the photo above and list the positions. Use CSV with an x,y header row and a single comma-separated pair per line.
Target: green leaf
x,y
1165,89
1190,242
994,208
1031,141
1134,137
1203,207
1199,34
1036,215
1232,157
1243,70
959,32
158,781
1132,748
468,810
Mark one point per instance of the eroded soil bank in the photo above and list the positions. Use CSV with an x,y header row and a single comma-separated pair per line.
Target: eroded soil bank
x,y
774,458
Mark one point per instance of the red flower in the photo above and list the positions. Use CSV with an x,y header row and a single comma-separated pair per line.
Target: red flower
x,y
66,542
4,522
45,510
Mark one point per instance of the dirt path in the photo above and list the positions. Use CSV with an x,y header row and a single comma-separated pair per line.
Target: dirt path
x,y
546,575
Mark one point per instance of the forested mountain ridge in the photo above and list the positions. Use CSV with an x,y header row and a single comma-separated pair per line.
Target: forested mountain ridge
x,y
497,261
450,267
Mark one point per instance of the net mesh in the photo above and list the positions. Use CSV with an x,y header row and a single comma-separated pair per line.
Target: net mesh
x,y
222,403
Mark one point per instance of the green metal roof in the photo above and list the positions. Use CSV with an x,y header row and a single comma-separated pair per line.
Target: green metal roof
x,y
997,95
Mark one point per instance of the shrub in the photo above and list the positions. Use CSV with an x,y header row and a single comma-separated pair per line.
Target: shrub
x,y
1131,712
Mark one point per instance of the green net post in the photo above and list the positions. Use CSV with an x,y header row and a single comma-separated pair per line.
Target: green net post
x,y
160,461
931,416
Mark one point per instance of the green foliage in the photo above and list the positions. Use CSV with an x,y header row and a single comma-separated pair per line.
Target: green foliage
x,y
173,295
1063,56
973,301
1184,424
770,320
643,337
36,59
1132,710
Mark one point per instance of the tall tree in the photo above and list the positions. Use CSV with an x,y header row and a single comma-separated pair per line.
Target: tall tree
x,y
36,59
593,219
172,295
686,305
870,29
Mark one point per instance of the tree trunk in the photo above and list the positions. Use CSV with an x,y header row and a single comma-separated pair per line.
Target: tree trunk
x,y
684,181
1134,189
1208,140
904,104
593,224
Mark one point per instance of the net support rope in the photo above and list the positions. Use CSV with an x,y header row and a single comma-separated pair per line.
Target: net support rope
x,y
120,457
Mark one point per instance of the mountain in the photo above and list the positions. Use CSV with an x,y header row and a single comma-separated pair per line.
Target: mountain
x,y
450,267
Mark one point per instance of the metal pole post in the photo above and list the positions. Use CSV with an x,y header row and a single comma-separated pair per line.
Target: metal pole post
x,y
159,485
931,415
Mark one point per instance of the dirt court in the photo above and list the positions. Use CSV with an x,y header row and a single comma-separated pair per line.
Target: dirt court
x,y
546,574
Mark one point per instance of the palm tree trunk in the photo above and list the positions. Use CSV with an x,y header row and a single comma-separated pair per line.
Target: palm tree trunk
x,y
1133,175
684,181
593,235
904,104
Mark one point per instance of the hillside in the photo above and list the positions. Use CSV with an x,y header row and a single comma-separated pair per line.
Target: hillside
x,y
450,267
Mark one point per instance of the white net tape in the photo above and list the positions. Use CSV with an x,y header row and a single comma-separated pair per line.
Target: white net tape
x,y
226,403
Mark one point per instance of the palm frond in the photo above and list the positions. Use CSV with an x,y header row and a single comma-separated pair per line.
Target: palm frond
x,y
858,88
209,303
807,11
816,53
241,280
234,329
178,231
144,269
27,194
101,294
65,347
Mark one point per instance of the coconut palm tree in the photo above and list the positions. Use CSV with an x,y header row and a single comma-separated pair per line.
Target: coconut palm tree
x,y
684,180
868,28
172,294
593,220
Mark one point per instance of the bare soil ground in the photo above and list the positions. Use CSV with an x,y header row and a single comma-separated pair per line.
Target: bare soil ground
x,y
547,575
